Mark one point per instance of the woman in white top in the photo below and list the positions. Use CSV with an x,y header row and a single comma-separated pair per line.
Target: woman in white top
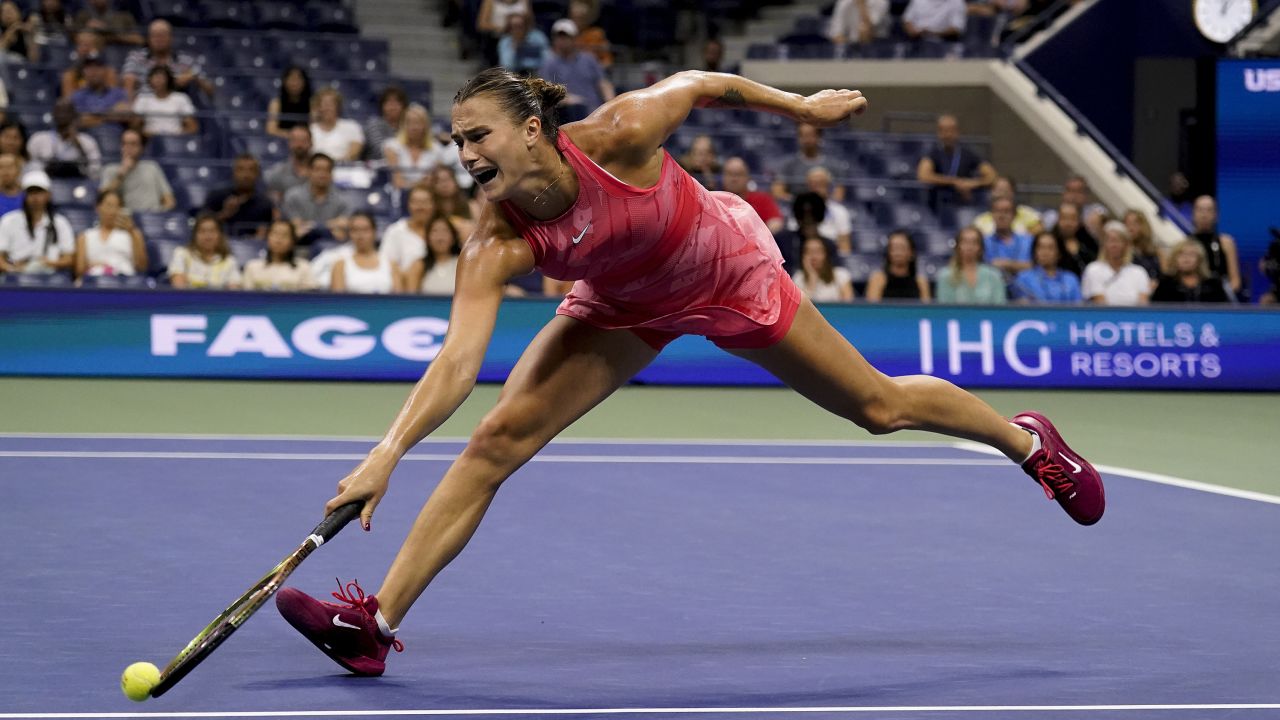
x,y
206,261
1114,279
281,269
819,277
332,134
165,112
404,242
35,239
410,153
434,274
364,270
114,246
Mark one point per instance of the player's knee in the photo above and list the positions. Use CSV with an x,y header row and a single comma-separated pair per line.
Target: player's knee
x,y
881,414
498,440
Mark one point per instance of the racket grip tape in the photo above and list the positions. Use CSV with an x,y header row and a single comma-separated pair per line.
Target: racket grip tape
x,y
337,520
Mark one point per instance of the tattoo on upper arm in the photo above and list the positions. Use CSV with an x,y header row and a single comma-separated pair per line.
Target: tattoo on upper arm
x,y
730,99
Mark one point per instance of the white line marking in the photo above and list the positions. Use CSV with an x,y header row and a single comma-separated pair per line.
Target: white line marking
x,y
1158,478
781,442
932,709
546,458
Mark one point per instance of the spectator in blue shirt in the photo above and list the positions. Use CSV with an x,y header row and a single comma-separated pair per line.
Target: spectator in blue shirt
x,y
523,49
97,101
1007,250
11,193
1045,282
580,72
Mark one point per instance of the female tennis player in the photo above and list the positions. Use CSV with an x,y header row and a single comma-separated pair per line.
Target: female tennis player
x,y
654,256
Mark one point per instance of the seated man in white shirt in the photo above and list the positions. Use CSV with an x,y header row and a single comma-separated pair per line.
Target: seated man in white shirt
x,y
858,21
837,223
935,18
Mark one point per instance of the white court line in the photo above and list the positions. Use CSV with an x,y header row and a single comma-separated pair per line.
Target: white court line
x,y
1158,478
921,709
544,458
780,442
1143,475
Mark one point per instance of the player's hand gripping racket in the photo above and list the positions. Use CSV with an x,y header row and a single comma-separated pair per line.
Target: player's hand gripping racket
x,y
234,616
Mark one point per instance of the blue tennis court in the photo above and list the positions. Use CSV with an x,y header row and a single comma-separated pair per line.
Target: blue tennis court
x,y
657,579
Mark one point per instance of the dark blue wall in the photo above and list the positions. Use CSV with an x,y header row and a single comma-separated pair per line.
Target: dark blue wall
x,y
1091,61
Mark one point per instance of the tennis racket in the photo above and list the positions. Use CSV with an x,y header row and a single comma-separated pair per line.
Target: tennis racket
x,y
234,616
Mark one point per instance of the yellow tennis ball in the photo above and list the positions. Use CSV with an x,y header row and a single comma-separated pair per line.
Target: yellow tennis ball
x,y
138,679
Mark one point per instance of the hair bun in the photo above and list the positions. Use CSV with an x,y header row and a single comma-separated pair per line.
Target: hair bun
x,y
549,94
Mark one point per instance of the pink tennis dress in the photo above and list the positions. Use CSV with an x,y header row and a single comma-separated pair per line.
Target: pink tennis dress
x,y
664,261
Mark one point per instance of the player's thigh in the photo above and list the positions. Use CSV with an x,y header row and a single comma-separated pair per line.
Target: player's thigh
x,y
819,363
569,368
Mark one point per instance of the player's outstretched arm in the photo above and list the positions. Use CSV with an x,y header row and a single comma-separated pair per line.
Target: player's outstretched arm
x,y
647,117
492,256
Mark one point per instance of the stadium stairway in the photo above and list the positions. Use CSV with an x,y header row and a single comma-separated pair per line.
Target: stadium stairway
x,y
774,21
421,47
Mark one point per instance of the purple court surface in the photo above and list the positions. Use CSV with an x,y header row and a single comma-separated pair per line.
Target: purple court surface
x,y
644,579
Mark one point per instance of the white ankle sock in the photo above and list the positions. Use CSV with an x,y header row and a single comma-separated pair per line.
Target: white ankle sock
x,y
1035,443
383,626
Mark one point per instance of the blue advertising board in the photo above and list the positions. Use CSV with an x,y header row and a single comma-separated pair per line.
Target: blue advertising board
x,y
157,333
1248,112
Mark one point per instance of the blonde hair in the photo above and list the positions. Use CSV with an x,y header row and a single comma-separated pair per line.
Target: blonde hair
x,y
403,136
323,93
954,264
1117,227
1143,241
1202,260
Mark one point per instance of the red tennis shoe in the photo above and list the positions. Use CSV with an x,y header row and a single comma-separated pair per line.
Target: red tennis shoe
x,y
347,633
1064,475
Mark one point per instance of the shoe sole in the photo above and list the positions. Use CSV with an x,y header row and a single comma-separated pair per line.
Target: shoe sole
x,y
1048,428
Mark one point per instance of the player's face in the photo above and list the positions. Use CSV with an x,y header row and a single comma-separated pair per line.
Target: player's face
x,y
492,147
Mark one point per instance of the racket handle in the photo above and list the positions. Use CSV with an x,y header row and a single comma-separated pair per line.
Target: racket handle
x,y
337,520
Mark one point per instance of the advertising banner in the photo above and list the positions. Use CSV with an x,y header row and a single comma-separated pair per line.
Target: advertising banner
x,y
157,333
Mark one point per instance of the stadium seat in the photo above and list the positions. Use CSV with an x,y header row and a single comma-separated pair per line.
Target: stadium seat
x,y
66,193
162,224
330,17
281,16
246,249
81,217
175,146
266,148
180,13
229,14
159,253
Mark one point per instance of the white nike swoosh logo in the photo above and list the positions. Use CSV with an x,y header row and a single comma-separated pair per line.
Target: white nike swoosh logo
x,y
582,234
1074,467
337,620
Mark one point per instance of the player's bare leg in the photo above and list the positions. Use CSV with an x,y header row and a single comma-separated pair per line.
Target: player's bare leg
x,y
819,363
569,368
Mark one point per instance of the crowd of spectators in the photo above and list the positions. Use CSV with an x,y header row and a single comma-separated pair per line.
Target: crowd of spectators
x,y
308,231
